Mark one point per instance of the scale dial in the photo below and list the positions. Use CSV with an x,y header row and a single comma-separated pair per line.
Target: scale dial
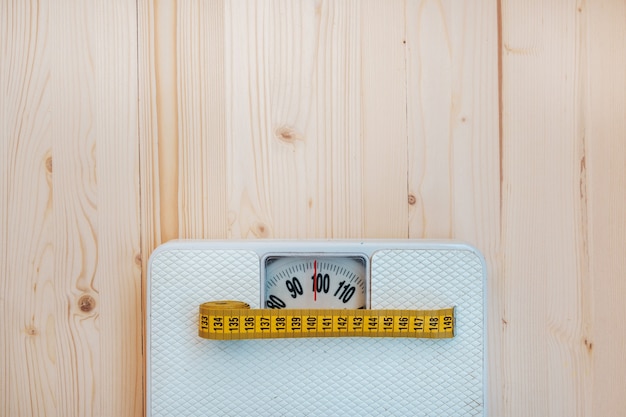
x,y
333,282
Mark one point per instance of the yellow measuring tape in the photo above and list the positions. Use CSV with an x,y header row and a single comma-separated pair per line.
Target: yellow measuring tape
x,y
232,320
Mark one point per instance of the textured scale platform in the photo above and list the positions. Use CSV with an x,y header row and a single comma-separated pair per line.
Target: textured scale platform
x,y
191,376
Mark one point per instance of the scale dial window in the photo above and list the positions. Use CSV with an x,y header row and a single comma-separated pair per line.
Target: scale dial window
x,y
311,281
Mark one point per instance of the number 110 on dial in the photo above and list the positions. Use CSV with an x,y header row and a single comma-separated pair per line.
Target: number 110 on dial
x,y
325,281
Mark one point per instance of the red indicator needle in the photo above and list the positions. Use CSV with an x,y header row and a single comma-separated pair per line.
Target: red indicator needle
x,y
315,280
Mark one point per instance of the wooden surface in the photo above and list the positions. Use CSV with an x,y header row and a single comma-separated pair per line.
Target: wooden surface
x,y
124,124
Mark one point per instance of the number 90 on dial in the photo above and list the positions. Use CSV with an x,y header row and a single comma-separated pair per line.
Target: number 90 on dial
x,y
311,281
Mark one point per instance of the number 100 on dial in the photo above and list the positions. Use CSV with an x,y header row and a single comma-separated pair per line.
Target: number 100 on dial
x,y
309,281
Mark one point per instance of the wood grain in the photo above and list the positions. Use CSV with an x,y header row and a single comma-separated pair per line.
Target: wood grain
x,y
202,119
166,91
28,341
545,295
182,140
129,123
603,180
71,332
552,165
148,131
306,85
384,120
453,119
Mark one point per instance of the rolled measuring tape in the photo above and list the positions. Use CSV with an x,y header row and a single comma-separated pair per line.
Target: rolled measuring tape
x,y
233,320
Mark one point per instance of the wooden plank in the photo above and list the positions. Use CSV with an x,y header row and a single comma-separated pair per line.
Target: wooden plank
x,y
384,120
602,182
182,130
166,108
150,175
433,114
453,121
202,121
118,270
286,125
71,286
452,115
305,86
28,342
546,293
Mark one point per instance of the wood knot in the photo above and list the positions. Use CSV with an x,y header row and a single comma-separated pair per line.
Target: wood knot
x,y
49,164
588,345
412,200
138,259
86,303
32,331
287,134
260,230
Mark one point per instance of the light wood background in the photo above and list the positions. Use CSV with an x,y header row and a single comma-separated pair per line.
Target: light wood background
x,y
127,123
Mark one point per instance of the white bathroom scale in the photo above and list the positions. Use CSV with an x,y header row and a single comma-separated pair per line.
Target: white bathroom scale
x,y
288,373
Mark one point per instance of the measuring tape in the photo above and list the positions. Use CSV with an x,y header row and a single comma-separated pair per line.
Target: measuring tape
x,y
232,320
